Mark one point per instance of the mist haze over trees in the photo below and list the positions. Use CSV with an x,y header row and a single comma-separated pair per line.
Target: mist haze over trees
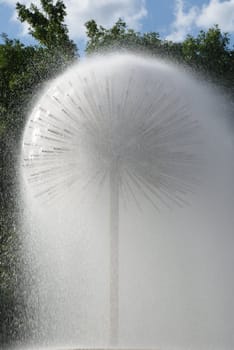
x,y
209,52
23,71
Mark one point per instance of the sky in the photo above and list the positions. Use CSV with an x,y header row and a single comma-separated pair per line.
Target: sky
x,y
172,19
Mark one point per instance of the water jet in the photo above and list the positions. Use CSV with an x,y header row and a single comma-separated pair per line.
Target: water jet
x,y
117,145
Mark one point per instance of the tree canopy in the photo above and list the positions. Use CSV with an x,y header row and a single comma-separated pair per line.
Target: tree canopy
x,y
209,52
47,25
23,70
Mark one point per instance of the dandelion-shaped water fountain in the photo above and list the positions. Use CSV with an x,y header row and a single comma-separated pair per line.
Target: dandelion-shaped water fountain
x,y
120,120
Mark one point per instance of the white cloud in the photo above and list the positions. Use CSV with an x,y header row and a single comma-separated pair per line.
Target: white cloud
x,y
105,12
183,21
215,12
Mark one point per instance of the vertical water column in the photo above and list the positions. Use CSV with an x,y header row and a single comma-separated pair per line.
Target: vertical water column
x,y
114,254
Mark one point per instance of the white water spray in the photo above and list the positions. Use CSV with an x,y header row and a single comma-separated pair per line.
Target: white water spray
x,y
118,164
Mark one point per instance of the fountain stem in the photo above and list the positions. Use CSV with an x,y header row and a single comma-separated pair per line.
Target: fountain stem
x,y
114,255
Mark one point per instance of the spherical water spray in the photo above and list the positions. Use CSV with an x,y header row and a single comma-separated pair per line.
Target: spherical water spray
x,y
121,124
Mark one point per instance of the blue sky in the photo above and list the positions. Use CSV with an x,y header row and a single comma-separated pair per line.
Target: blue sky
x,y
173,19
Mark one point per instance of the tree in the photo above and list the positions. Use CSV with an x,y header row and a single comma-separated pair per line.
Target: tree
x,y
102,39
23,71
121,37
17,80
47,25
210,52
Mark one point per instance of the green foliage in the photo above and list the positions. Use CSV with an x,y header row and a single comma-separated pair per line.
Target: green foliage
x,y
121,37
12,311
101,39
47,25
23,71
14,60
209,52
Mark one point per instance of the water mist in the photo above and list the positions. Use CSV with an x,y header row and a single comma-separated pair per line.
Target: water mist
x,y
127,183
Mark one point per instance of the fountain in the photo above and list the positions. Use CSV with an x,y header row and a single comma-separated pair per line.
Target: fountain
x,y
116,146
